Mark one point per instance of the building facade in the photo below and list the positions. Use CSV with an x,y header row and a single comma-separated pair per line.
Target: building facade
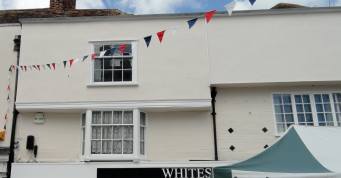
x,y
215,94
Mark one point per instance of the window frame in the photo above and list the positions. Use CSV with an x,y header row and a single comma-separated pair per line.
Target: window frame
x,y
313,107
113,157
134,48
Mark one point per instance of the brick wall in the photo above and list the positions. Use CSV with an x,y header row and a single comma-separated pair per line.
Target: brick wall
x,y
58,8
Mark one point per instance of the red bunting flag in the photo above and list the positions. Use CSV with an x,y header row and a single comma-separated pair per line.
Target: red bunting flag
x,y
93,56
209,15
54,66
71,62
122,48
160,35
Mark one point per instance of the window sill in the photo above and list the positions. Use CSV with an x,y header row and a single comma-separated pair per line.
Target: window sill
x,y
112,84
129,158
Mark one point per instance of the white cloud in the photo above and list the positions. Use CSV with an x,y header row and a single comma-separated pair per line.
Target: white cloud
x,y
24,4
90,4
158,6
266,4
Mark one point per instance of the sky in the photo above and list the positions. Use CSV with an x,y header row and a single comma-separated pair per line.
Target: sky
x,y
165,6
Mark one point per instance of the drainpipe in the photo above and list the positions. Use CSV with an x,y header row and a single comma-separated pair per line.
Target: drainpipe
x,y
213,101
17,42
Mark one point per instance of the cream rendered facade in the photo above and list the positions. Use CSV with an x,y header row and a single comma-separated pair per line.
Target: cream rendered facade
x,y
248,57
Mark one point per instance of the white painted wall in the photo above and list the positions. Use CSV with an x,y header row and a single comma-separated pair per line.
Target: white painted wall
x,y
165,71
275,48
170,136
247,111
8,57
58,139
179,136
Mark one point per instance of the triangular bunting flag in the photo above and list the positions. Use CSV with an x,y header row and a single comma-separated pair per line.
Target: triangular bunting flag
x,y
84,58
147,39
160,35
8,98
122,48
30,67
71,62
64,62
6,116
25,67
38,67
192,22
93,56
22,68
34,66
8,88
5,127
209,15
113,49
54,66
49,66
252,2
10,69
102,53
230,6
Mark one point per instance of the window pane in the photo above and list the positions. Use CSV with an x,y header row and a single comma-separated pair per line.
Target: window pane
x,y
287,109
117,147
98,64
321,117
118,63
280,117
98,76
107,117
309,117
299,108
278,109
306,99
280,128
329,117
128,117
128,132
83,119
142,134
107,63
127,63
117,132
318,98
128,147
117,117
301,117
307,108
289,118
95,147
127,75
118,75
108,75
319,108
286,99
298,99
107,132
96,132
325,98
96,117
142,118
142,148
277,99
107,147
327,108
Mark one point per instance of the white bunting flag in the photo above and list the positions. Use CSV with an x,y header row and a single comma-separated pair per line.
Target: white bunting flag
x,y
230,7
102,53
